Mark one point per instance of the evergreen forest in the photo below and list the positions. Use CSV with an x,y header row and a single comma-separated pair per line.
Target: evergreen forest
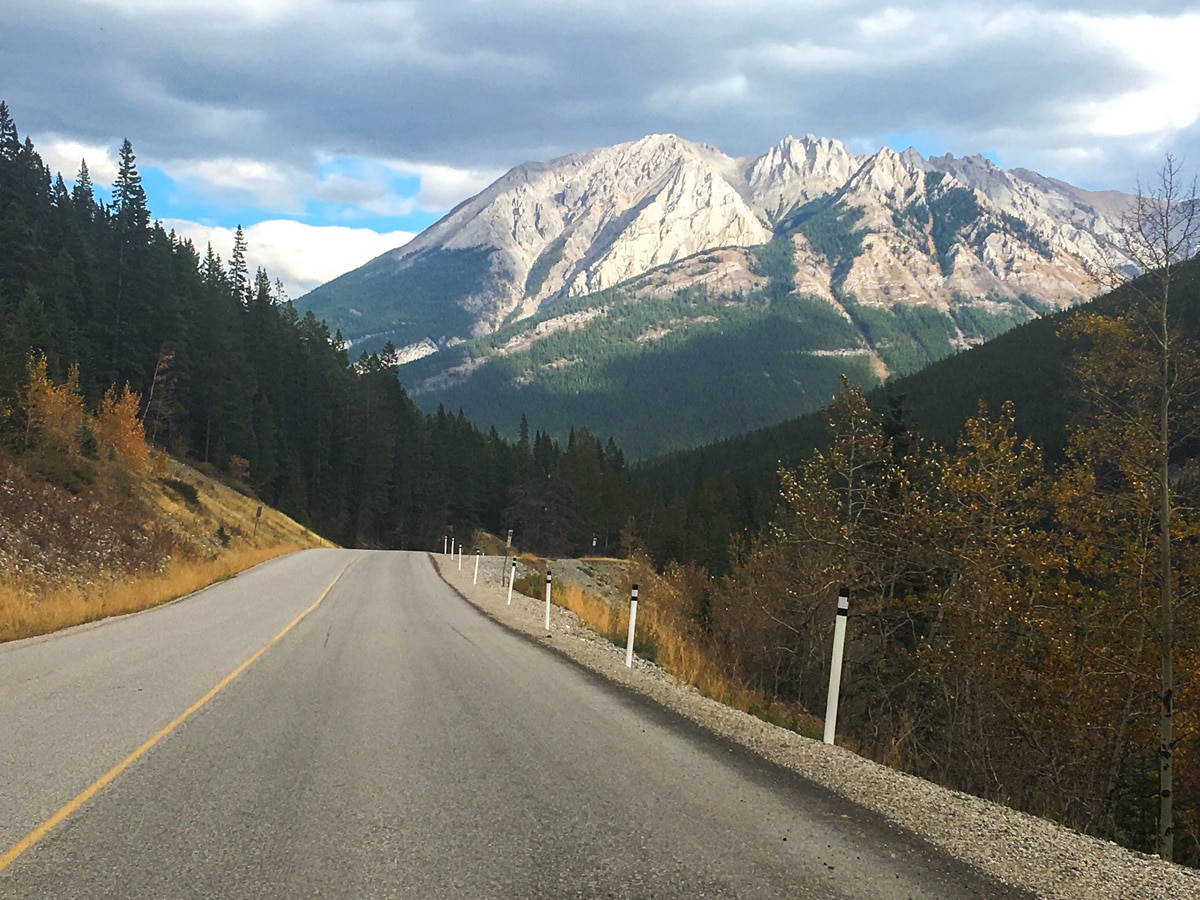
x,y
231,377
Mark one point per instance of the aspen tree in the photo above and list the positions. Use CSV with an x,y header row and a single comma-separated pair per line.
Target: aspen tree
x,y
53,413
1155,374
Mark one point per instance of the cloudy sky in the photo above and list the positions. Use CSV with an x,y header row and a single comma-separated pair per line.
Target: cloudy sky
x,y
333,130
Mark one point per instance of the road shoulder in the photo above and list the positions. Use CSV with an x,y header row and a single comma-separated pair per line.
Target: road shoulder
x,y
1020,850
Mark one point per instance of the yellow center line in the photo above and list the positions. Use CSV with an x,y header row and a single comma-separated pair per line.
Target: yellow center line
x,y
90,791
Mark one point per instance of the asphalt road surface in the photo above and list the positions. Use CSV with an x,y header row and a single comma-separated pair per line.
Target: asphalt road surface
x,y
393,742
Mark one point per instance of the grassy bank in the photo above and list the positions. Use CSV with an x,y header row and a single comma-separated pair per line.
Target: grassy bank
x,y
27,609
124,541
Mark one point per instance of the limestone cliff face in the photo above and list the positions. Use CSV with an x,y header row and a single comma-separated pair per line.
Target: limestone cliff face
x,y
925,231
936,230
794,172
589,221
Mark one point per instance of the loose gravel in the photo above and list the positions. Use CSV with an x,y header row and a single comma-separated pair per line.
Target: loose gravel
x,y
1021,850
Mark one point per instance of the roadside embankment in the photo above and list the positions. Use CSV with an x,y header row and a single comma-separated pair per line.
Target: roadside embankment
x,y
1020,850
125,542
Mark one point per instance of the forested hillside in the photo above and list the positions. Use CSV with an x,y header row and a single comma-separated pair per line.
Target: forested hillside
x,y
731,486
664,370
656,373
1005,630
228,375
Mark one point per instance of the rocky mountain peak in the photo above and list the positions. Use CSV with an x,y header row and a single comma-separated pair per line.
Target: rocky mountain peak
x,y
884,183
914,159
793,172
877,229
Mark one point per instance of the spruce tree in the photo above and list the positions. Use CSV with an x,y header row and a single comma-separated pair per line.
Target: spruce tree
x,y
239,271
83,195
133,215
10,142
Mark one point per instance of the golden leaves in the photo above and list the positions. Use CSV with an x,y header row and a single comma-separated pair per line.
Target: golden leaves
x,y
55,418
118,425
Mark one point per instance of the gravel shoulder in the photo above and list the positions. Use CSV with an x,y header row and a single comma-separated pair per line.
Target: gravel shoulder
x,y
1020,850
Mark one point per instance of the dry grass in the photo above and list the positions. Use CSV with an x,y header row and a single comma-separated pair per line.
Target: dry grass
x,y
26,611
128,541
604,618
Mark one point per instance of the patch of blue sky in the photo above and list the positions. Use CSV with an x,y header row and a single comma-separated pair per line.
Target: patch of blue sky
x,y
169,199
927,143
349,193
931,143
364,181
365,193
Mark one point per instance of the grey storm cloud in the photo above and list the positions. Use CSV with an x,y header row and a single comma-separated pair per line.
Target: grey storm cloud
x,y
488,85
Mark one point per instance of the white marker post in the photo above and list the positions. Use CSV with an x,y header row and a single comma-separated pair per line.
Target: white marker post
x,y
460,556
445,544
835,665
478,556
633,597
511,578
547,599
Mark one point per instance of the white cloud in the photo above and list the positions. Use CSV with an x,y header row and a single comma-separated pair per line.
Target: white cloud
x,y
240,9
340,188
888,24
1168,99
64,156
268,184
388,205
703,97
362,186
472,86
902,37
301,256
443,187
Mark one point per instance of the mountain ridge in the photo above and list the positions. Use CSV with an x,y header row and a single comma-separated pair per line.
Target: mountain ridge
x,y
592,220
544,293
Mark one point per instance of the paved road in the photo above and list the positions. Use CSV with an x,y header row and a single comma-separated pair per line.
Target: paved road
x,y
396,743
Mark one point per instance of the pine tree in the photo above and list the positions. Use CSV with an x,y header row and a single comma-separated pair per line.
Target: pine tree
x,y
10,142
211,269
239,272
133,216
83,195
132,219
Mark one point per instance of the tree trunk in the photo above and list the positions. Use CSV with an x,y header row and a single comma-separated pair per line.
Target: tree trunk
x,y
1166,814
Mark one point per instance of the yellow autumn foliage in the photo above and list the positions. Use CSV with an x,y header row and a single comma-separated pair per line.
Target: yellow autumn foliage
x,y
53,412
118,426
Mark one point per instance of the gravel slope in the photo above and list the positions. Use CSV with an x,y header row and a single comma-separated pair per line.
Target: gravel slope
x,y
1018,849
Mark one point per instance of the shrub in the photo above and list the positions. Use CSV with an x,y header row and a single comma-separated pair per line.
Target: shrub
x,y
54,464
187,492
